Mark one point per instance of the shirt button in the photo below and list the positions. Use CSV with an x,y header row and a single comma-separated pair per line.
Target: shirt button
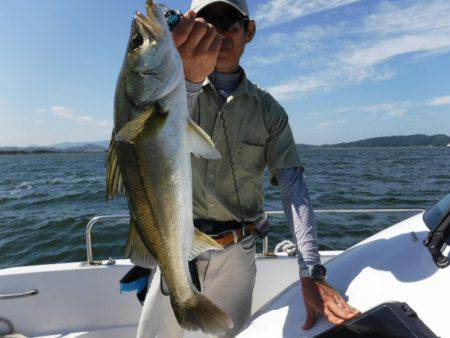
x,y
211,176
211,205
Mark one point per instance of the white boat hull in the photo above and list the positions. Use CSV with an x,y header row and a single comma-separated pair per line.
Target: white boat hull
x,y
84,301
392,265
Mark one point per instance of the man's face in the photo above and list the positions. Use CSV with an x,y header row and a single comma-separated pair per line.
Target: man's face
x,y
234,41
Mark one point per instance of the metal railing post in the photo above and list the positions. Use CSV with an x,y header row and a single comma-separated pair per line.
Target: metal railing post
x,y
89,226
265,251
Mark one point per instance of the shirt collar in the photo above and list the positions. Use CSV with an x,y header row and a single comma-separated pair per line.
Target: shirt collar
x,y
245,86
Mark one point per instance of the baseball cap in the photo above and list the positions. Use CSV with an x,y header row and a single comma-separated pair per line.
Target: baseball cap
x,y
240,5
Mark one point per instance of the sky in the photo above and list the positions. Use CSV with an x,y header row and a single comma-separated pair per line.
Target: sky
x,y
343,69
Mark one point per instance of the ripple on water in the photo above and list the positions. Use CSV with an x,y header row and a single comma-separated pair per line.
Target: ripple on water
x,y
46,200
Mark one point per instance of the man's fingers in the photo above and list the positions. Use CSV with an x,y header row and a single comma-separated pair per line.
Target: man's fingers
x,y
341,301
310,318
331,317
207,39
214,48
181,31
197,33
339,310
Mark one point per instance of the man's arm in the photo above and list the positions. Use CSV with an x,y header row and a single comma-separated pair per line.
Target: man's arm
x,y
318,297
299,215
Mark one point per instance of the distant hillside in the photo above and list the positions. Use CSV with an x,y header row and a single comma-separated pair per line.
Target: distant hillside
x,y
86,148
27,150
305,146
74,145
418,140
82,147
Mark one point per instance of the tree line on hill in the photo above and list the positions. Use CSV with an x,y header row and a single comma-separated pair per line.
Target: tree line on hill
x,y
418,140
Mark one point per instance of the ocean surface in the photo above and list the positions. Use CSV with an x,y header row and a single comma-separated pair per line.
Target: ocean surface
x,y
46,200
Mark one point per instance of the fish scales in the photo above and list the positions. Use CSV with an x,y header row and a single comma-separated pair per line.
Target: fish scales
x,y
140,195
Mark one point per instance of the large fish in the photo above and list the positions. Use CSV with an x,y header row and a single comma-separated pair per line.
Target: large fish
x,y
149,159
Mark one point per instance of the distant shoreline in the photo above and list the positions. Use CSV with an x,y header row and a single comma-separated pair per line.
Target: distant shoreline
x,y
43,152
46,152
408,141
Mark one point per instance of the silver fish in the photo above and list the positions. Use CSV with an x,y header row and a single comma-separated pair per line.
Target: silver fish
x,y
149,158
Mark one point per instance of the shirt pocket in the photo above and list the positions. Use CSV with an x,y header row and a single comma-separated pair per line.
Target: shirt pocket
x,y
250,158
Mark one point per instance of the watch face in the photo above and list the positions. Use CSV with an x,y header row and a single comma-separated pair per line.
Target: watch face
x,y
319,272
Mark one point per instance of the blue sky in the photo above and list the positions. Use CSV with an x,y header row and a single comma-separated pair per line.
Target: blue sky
x,y
343,69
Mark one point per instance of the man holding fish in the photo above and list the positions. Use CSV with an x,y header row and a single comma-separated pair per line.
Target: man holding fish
x,y
259,136
250,130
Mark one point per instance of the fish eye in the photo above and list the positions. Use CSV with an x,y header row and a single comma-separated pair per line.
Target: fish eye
x,y
136,40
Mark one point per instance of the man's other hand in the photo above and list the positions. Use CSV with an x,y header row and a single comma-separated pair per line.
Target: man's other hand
x,y
198,43
323,299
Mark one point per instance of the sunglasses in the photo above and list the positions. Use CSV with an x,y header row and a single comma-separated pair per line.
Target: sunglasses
x,y
225,24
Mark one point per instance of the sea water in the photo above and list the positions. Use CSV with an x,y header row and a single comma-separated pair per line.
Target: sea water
x,y
46,200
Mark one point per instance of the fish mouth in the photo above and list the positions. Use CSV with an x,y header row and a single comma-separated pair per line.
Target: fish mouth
x,y
150,22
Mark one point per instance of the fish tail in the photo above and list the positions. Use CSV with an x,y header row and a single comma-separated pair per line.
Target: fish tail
x,y
199,313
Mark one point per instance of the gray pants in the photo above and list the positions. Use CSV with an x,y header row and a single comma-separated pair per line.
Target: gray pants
x,y
227,278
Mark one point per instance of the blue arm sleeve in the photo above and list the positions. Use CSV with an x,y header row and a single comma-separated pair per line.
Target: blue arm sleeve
x,y
192,91
299,214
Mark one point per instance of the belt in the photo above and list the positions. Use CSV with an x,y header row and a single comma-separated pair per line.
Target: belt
x,y
234,236
225,233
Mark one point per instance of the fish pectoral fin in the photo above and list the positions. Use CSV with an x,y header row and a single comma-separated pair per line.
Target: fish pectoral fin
x,y
202,243
200,142
114,182
135,127
136,250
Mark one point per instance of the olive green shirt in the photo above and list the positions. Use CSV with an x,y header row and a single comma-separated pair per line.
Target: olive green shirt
x,y
258,136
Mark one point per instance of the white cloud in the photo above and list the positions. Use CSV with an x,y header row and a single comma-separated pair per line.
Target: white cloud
x,y
398,112
389,107
297,46
41,111
324,124
382,51
420,17
324,80
439,101
394,109
69,114
395,30
280,11
351,52
328,124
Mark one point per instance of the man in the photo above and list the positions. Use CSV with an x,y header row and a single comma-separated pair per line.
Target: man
x,y
251,131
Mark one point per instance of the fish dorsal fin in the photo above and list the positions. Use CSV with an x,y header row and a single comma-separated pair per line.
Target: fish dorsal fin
x,y
135,127
114,181
202,243
200,143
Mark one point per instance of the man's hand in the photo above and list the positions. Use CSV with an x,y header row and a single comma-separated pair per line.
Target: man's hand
x,y
198,44
323,299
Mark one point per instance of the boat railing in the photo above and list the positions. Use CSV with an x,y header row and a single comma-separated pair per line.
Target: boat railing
x,y
265,250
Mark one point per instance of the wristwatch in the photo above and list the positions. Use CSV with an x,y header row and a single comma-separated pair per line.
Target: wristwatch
x,y
316,272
